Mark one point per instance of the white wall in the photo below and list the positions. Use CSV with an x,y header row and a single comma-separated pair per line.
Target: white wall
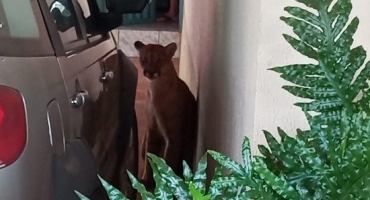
x,y
215,51
227,47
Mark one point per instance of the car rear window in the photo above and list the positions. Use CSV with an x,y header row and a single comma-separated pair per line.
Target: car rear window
x,y
22,32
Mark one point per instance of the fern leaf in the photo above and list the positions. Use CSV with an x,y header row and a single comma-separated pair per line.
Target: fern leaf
x,y
81,196
316,4
215,190
140,188
231,193
187,173
247,157
274,145
161,190
335,78
228,163
175,183
304,15
308,33
200,175
197,194
322,105
301,47
230,181
278,184
113,193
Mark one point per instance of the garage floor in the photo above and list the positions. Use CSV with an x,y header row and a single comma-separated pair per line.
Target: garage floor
x,y
140,105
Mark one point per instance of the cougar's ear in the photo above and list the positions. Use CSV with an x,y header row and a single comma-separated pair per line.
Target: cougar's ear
x,y
171,50
139,45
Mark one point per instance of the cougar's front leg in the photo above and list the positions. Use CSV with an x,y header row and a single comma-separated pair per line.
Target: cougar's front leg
x,y
173,151
151,130
170,130
151,146
144,147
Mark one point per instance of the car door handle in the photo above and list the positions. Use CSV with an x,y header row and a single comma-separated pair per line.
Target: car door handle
x,y
107,75
79,99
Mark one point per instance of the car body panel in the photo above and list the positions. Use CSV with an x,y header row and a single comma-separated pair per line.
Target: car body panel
x,y
77,170
82,71
39,81
55,124
105,121
67,147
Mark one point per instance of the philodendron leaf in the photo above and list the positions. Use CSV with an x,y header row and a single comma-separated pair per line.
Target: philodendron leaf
x,y
145,195
161,190
278,184
175,183
187,173
228,163
197,194
81,196
200,175
247,157
113,193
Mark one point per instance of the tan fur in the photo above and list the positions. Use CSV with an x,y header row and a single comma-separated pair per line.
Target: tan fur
x,y
171,111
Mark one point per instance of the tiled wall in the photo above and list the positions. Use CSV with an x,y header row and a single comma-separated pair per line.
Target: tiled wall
x,y
127,39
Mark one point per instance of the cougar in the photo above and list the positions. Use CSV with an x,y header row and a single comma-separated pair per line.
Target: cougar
x,y
171,111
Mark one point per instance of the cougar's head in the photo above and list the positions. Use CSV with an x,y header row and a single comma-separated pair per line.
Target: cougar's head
x,y
155,58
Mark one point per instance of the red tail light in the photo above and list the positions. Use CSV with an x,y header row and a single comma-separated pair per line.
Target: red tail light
x,y
13,133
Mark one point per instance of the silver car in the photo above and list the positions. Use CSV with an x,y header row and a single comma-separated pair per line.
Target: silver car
x,y
66,99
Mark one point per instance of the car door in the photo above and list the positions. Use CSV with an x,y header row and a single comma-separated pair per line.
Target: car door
x,y
32,93
101,100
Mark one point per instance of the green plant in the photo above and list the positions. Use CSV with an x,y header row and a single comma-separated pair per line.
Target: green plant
x,y
328,161
343,173
113,193
332,81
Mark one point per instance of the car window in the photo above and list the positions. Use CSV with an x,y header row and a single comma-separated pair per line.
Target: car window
x,y
88,17
75,21
91,11
66,21
22,28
